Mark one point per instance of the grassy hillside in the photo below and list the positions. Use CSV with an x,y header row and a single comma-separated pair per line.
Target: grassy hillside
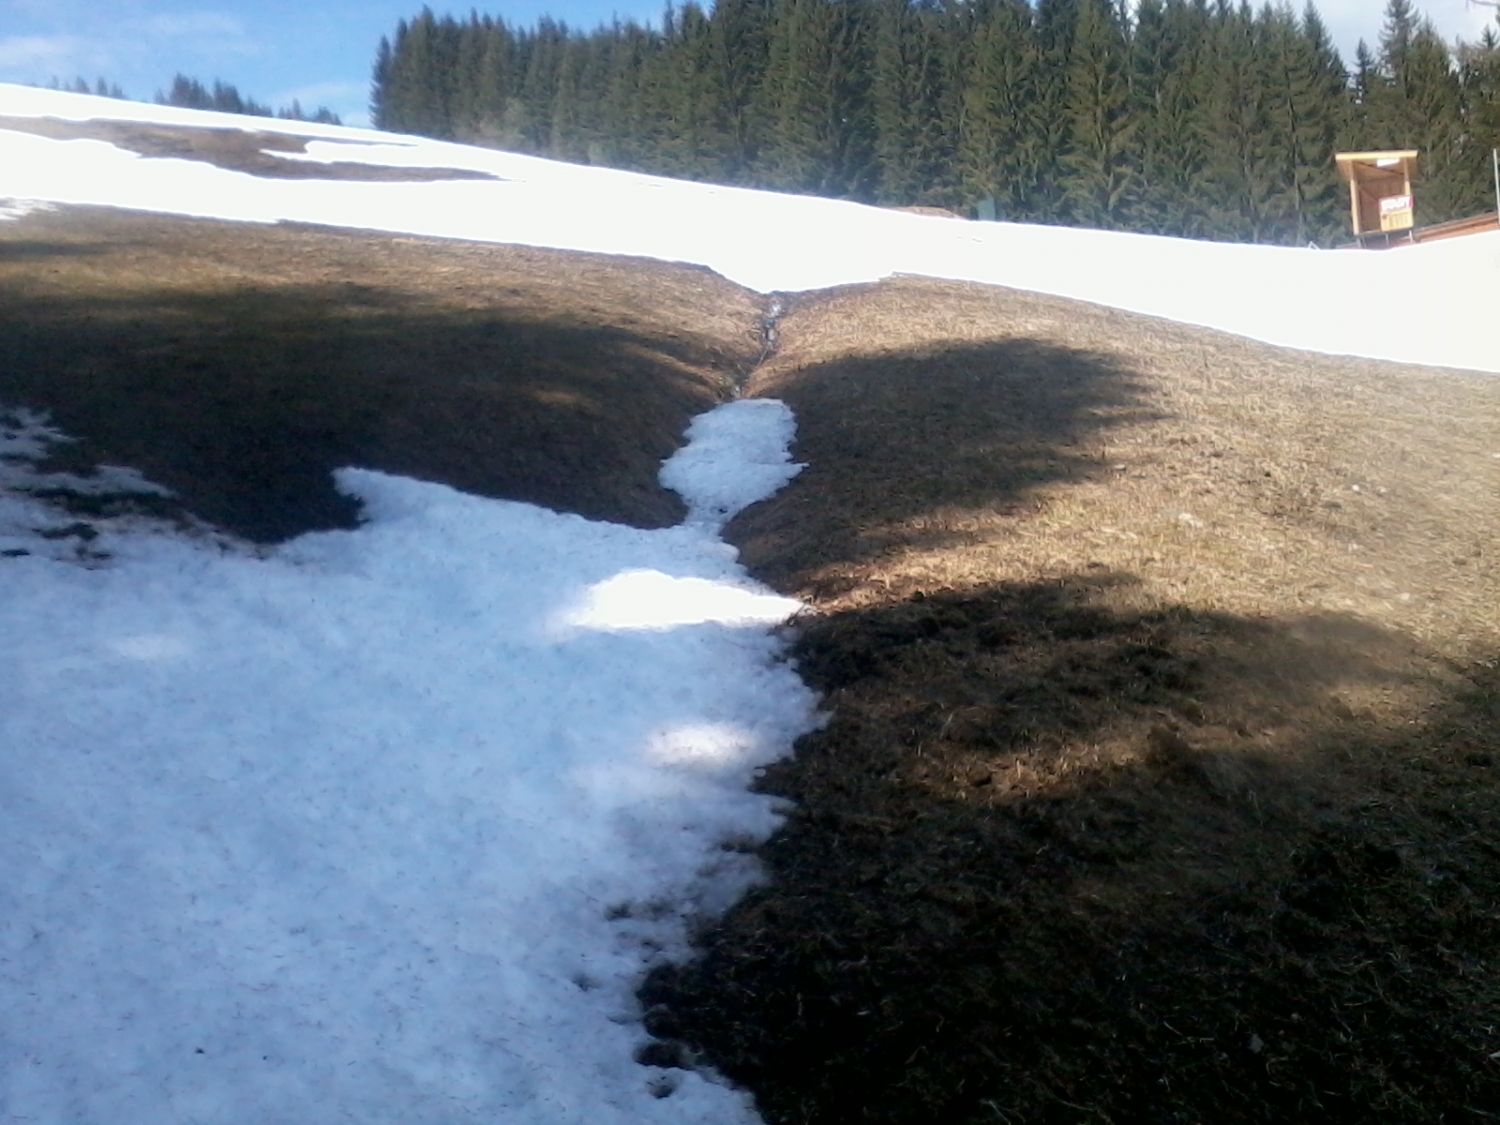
x,y
1161,770
239,364
1160,777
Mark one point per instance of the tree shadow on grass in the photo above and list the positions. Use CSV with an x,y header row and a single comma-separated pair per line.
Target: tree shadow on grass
x,y
892,440
243,399
40,250
1055,858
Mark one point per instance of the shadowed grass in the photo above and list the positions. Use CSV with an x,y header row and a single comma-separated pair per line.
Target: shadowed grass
x,y
239,365
1058,859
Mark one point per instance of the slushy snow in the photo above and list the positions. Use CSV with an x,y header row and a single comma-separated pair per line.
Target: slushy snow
x,y
380,825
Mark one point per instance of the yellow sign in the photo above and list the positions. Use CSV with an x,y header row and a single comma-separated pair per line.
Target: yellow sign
x,y
1396,212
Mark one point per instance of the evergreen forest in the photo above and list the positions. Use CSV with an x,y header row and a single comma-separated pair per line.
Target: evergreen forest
x,y
190,93
1183,117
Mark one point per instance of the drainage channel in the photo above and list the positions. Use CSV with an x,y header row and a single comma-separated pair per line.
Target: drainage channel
x,y
771,313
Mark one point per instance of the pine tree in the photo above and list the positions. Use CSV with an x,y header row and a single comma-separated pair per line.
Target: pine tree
x,y
1481,85
622,142
889,79
1151,62
682,115
415,100
1435,97
738,47
818,128
1199,118
1302,123
1239,176
1000,139
1174,145
908,92
1328,121
531,119
494,88
186,92
1100,177
1055,22
567,137
464,112
381,114
845,95
1364,89
1168,104
1390,113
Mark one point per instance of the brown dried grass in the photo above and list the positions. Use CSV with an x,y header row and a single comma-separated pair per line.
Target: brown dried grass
x,y
239,364
1159,767
1046,435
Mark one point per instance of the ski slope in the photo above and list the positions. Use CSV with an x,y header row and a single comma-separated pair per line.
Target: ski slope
x,y
1426,304
384,825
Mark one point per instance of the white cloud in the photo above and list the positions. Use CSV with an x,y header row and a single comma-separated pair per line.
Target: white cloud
x,y
207,31
1349,21
134,48
324,93
52,53
350,100
32,9
195,25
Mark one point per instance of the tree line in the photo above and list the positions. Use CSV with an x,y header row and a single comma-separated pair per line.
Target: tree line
x,y
190,93
1199,118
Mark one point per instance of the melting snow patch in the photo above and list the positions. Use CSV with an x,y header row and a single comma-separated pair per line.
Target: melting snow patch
x,y
29,525
20,208
649,599
354,830
736,455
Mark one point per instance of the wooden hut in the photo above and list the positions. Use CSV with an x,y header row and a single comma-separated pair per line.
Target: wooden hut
x,y
1380,196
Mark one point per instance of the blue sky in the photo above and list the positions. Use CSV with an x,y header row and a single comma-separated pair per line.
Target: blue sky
x,y
320,51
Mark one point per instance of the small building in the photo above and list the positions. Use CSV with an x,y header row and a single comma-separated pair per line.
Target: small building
x,y
1380,195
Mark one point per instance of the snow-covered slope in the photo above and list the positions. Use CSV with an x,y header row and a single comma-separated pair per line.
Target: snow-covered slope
x,y
384,825
1427,304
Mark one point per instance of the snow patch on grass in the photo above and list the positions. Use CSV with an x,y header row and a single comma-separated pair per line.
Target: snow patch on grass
x,y
736,455
29,524
11,209
352,829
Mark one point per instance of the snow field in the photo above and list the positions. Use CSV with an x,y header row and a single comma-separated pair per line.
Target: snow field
x,y
1427,304
382,825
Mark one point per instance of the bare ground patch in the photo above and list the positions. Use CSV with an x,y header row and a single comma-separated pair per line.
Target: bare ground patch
x,y
1161,770
238,365
238,150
